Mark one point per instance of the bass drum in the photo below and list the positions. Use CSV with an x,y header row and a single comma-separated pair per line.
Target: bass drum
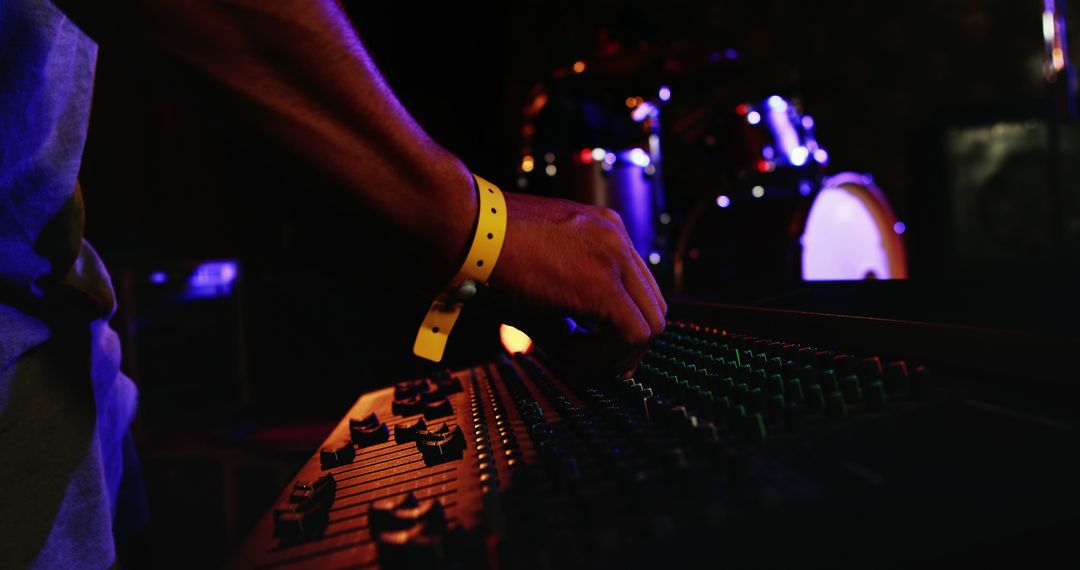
x,y
844,230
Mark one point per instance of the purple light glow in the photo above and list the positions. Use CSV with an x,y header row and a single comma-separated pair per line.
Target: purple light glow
x,y
753,117
808,122
799,155
639,157
899,228
777,103
730,53
821,156
842,240
212,279
642,111
723,201
665,93
158,277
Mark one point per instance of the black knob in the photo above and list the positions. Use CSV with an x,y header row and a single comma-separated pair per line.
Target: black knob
x,y
408,434
319,489
441,446
439,408
343,454
406,406
404,512
369,431
301,520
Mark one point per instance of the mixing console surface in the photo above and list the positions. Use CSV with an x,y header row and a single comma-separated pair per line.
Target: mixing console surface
x,y
723,447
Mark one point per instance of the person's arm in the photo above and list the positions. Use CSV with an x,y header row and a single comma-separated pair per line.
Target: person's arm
x,y
299,71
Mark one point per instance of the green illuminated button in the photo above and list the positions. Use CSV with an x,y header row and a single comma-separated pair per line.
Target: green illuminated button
x,y
851,389
793,390
835,408
757,379
875,396
815,399
754,427
757,400
774,385
828,382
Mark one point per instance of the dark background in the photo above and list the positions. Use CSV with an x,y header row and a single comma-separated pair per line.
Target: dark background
x,y
238,391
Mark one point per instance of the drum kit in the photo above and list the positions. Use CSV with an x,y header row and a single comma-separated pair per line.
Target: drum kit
x,y
718,181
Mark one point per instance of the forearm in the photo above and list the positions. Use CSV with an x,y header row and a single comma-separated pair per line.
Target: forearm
x,y
298,70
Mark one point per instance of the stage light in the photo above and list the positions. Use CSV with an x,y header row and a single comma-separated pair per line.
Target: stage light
x,y
757,191
821,156
585,156
527,164
665,93
723,201
598,154
654,258
799,155
753,117
550,170
777,103
808,122
639,157
514,341
158,277
899,228
579,66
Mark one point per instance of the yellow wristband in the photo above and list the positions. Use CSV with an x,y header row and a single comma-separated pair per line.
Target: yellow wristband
x,y
479,263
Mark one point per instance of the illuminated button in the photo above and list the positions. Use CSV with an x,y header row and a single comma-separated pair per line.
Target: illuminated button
x,y
774,385
331,457
815,399
869,369
793,390
368,431
828,382
753,427
776,406
835,408
921,387
896,377
851,389
844,365
875,396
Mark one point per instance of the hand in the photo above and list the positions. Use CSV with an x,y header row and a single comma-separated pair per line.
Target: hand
x,y
562,258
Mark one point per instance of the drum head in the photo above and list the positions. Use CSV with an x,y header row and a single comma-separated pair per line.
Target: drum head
x,y
851,233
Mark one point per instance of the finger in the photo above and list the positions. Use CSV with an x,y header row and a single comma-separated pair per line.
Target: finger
x,y
629,324
638,288
648,277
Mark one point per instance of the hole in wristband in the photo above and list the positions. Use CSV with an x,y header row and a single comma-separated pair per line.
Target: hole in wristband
x,y
435,330
480,263
490,191
491,236
493,210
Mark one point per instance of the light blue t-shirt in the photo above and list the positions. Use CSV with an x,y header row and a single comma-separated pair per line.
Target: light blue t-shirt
x,y
65,407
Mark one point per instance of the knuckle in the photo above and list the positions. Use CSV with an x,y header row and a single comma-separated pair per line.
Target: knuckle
x,y
611,216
